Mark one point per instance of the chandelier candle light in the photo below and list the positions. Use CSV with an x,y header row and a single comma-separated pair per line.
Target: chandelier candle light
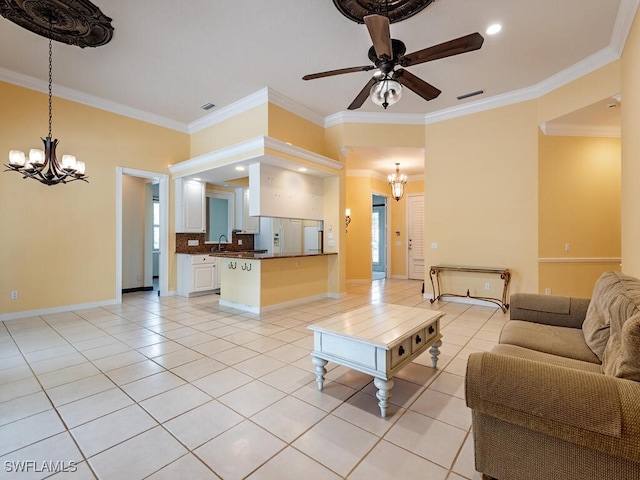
x,y
397,181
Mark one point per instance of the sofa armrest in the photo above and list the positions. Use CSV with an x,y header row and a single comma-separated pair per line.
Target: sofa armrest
x,y
585,408
548,309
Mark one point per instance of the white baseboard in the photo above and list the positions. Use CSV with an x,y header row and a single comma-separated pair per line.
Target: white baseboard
x,y
48,311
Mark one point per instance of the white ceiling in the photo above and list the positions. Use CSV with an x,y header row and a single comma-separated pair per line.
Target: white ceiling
x,y
167,58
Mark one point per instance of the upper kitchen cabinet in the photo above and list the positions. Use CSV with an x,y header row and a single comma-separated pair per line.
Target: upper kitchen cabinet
x,y
245,222
278,192
190,206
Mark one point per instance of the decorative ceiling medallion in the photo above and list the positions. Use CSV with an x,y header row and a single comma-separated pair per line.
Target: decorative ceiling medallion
x,y
398,10
74,22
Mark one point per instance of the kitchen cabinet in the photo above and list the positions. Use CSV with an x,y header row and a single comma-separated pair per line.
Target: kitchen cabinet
x,y
244,221
197,274
277,192
190,206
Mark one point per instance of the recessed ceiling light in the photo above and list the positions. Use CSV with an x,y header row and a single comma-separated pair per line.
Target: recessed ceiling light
x,y
493,29
240,168
302,169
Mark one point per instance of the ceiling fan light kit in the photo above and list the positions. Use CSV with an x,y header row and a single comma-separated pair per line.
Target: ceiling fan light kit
x,y
385,87
385,92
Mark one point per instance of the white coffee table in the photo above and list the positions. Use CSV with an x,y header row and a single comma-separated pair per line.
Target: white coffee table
x,y
378,340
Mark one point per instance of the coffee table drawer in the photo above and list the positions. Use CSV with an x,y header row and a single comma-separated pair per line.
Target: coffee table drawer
x,y
400,352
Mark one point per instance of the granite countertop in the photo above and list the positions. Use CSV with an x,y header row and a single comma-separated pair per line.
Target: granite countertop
x,y
267,256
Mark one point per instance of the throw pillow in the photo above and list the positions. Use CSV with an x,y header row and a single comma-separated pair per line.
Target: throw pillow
x,y
623,358
596,323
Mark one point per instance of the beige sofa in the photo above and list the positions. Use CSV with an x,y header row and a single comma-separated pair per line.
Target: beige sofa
x,y
559,397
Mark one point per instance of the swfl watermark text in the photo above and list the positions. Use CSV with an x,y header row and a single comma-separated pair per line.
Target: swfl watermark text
x,y
44,466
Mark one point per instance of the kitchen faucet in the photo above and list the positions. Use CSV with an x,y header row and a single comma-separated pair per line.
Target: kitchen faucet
x,y
220,241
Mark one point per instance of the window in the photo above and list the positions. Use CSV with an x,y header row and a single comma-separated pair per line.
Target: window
x,y
156,225
375,236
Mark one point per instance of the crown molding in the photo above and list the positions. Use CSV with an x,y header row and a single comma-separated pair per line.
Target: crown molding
x,y
622,27
568,130
233,151
229,111
294,107
374,117
363,172
90,100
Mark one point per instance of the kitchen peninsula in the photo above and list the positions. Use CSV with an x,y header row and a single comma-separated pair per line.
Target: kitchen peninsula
x,y
255,282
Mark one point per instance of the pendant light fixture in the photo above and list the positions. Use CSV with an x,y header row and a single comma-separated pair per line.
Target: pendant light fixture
x,y
74,22
43,165
397,181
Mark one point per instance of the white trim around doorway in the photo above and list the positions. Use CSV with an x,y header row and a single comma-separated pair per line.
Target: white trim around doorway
x,y
163,266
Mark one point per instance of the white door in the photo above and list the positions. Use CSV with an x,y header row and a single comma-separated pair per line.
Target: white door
x,y
415,221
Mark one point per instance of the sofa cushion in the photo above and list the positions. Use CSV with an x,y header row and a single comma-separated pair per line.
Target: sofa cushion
x,y
560,361
561,341
605,303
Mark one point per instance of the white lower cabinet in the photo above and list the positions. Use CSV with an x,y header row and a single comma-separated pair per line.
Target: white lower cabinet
x,y
197,274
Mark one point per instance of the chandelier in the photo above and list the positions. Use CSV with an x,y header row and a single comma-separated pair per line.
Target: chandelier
x,y
74,22
397,181
43,165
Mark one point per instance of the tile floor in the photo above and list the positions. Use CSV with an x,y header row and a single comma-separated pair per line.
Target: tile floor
x,y
167,388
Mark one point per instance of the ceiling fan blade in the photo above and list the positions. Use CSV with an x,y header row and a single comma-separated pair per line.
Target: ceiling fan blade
x,y
378,27
339,71
363,95
416,84
464,44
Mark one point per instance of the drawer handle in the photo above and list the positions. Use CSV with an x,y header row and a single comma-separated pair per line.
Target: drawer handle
x,y
431,329
401,350
418,340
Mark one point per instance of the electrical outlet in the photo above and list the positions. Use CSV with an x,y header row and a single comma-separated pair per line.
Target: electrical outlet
x,y
239,242
487,286
567,247
14,295
193,243
547,291
434,245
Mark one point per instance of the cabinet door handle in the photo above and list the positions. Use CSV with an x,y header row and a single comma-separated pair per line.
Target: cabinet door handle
x,y
418,340
401,351
431,329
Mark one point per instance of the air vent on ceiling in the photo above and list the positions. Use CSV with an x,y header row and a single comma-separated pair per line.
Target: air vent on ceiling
x,y
207,106
470,94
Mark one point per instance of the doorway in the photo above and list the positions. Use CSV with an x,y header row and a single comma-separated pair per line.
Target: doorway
x,y
156,225
379,253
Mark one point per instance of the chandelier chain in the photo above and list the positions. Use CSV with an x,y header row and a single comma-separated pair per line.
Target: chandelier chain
x,y
50,92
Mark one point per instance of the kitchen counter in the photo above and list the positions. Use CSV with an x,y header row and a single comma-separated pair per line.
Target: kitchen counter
x,y
266,256
257,281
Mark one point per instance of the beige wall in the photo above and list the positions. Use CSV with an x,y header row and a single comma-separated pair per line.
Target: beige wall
x,y
58,243
631,153
244,126
290,128
481,195
579,206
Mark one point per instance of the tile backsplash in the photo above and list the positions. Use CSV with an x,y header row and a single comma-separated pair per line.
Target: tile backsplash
x,y
182,243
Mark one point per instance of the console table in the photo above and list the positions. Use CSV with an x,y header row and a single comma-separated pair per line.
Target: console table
x,y
378,340
504,273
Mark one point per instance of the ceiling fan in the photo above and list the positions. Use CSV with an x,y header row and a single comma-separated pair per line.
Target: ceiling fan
x,y
385,87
